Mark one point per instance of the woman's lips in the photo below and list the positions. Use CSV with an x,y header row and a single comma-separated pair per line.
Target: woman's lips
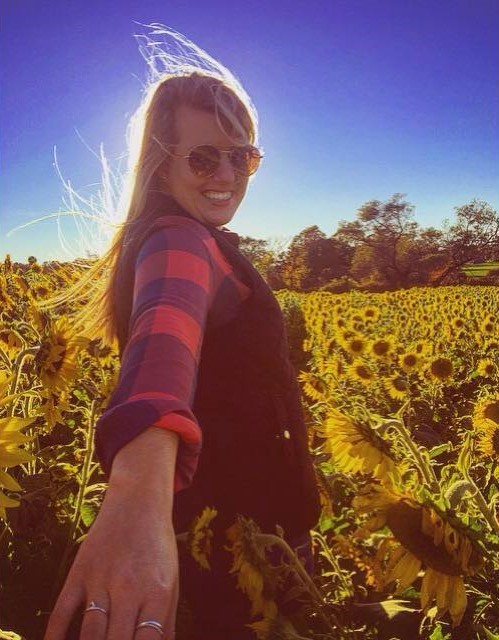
x,y
218,198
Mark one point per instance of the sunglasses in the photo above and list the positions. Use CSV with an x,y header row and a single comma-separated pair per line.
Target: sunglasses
x,y
205,159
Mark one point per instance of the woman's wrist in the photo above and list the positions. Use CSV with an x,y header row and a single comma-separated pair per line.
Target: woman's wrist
x,y
146,465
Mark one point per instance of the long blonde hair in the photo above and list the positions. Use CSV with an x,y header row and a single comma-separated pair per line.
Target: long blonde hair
x,y
210,87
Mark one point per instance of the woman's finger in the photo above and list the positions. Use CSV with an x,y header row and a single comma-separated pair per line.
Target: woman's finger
x,y
153,625
122,620
96,618
160,612
67,604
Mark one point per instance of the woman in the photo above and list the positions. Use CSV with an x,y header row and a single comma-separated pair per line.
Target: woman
x,y
207,410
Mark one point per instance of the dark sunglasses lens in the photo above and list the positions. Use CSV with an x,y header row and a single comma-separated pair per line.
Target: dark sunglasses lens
x,y
245,160
204,160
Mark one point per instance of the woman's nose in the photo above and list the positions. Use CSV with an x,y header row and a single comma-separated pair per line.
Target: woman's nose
x,y
225,171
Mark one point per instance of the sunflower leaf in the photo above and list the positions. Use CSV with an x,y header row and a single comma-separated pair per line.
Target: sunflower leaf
x,y
439,634
88,513
388,608
441,448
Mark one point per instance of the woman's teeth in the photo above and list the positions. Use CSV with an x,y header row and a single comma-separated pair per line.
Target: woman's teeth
x,y
218,195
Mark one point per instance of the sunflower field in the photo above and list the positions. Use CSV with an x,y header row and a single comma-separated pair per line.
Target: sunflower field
x,y
401,397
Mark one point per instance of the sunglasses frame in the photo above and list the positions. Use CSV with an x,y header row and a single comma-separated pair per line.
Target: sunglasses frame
x,y
220,152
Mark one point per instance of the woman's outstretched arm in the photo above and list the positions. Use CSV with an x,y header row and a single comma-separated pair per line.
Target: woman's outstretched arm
x,y
128,563
148,440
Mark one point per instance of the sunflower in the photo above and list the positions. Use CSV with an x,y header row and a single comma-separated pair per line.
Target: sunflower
x,y
397,387
361,372
486,368
11,455
421,348
423,538
56,360
488,327
345,547
11,342
254,574
200,537
54,406
410,361
488,441
441,369
335,366
7,302
354,446
491,345
313,386
355,345
340,323
102,352
344,335
371,313
486,413
381,347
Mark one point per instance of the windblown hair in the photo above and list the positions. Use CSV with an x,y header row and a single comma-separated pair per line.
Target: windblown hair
x,y
209,87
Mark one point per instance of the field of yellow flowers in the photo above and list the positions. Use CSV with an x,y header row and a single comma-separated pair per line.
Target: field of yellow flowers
x,y
401,397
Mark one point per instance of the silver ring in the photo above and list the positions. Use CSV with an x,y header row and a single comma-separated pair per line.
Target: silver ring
x,y
93,607
154,624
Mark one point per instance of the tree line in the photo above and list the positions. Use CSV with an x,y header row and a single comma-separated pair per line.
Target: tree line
x,y
383,248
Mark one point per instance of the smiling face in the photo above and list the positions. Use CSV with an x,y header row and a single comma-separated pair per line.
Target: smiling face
x,y
212,200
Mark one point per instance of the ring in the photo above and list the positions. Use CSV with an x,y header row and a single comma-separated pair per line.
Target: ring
x,y
93,607
153,624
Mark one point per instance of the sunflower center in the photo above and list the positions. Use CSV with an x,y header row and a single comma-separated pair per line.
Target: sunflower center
x,y
495,441
441,368
492,412
381,347
405,521
399,384
356,346
363,372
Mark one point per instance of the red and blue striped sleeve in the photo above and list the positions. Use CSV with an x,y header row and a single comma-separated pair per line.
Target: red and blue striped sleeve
x,y
173,290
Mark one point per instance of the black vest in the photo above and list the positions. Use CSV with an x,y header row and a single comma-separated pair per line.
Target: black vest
x,y
254,458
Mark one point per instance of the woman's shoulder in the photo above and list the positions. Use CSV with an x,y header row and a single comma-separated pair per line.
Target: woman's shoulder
x,y
171,232
181,223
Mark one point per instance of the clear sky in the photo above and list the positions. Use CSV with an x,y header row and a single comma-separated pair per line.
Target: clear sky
x,y
358,99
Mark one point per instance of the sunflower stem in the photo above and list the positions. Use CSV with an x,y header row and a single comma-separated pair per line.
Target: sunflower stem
x,y
76,518
334,563
484,507
276,540
426,471
25,325
18,365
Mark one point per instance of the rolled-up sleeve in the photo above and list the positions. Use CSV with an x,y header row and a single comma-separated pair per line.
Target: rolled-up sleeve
x,y
173,290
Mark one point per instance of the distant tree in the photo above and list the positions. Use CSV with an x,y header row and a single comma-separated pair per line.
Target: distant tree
x,y
312,259
254,249
473,238
263,254
32,260
390,249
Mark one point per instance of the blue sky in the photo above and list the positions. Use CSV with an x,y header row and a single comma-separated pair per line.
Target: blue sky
x,y
358,99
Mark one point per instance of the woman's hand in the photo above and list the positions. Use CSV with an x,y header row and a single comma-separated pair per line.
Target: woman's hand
x,y
128,563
